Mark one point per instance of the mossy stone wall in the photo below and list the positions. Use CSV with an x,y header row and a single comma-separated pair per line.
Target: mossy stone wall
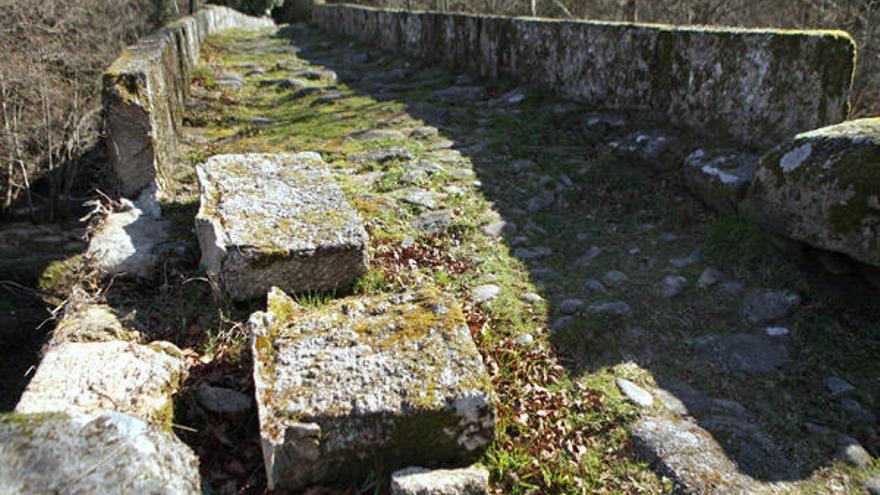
x,y
144,92
757,87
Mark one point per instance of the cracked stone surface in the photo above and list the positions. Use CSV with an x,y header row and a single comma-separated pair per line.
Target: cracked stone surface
x,y
277,220
394,380
107,453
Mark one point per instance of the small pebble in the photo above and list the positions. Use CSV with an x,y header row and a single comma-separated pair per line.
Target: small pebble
x,y
777,331
531,298
709,277
636,394
485,293
571,306
838,386
525,340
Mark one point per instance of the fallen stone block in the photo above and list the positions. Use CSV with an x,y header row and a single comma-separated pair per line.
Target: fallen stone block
x,y
130,243
823,188
391,380
473,480
277,220
720,177
88,378
108,453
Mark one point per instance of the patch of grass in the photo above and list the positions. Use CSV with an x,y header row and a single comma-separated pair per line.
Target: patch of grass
x,y
732,240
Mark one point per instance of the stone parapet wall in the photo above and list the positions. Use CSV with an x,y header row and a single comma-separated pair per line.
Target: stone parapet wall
x,y
756,87
145,89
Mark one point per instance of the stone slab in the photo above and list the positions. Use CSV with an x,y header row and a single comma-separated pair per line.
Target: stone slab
x,y
89,378
392,380
277,220
755,86
103,454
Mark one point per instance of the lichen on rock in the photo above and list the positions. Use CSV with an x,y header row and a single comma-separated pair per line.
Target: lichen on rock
x,y
277,220
106,453
823,188
89,378
387,381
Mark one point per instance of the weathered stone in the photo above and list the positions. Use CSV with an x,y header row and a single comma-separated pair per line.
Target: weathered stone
x,y
766,306
616,308
636,394
757,86
485,293
316,75
823,188
873,485
432,222
531,298
838,386
571,306
672,286
719,177
375,134
144,91
276,220
460,94
87,322
614,278
850,450
473,480
690,456
87,378
709,277
388,380
382,155
855,410
656,150
130,243
741,352
107,453
534,253
222,400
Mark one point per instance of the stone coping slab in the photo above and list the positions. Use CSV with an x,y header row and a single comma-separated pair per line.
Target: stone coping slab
x,y
107,453
389,381
88,378
277,220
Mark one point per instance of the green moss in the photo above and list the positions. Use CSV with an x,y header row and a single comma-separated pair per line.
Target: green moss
x,y
58,274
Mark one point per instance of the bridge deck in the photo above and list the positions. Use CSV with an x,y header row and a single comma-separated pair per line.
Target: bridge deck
x,y
584,265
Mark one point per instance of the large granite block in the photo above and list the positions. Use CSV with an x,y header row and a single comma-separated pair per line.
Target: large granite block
x,y
362,382
109,453
823,188
89,378
277,220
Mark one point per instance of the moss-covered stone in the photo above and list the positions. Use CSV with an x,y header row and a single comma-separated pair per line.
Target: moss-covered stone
x,y
823,188
757,86
277,220
389,381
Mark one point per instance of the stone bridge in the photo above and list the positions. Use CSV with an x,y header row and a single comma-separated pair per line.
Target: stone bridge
x,y
435,253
